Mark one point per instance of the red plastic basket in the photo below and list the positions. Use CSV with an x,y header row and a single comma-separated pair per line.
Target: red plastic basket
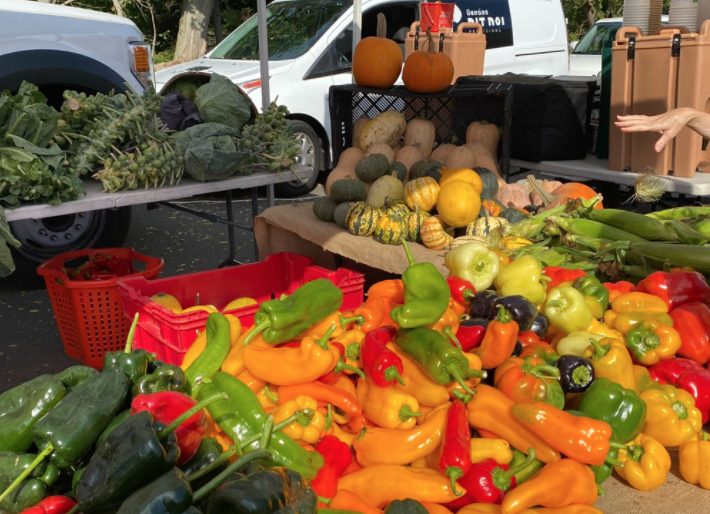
x,y
170,335
90,314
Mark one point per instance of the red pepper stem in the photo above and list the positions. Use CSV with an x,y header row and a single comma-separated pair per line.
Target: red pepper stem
x,y
344,322
464,317
453,370
347,367
406,412
468,294
258,329
191,412
323,341
271,396
131,334
391,374
502,479
241,462
477,373
454,473
27,472
74,509
407,250
465,398
549,371
448,332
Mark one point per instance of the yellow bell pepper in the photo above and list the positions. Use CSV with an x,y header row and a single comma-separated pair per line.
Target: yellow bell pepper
x,y
497,449
341,434
645,463
611,360
351,341
268,397
304,429
695,461
651,341
250,381
597,327
388,407
671,416
346,385
235,332
626,321
643,379
639,302
576,343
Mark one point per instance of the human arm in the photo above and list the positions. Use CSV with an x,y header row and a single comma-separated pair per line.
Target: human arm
x,y
668,124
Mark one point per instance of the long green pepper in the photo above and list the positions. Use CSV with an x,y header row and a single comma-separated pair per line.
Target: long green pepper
x,y
210,360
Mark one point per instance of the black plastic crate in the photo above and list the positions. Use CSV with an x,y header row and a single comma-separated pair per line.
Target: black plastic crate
x,y
450,111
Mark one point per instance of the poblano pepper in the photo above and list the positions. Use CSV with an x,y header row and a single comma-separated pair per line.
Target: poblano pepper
x,y
595,294
622,408
35,485
405,507
210,360
208,452
75,375
434,353
133,363
279,321
120,418
137,450
426,294
167,377
22,406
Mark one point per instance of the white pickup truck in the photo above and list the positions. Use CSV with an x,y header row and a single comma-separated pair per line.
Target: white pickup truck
x,y
58,48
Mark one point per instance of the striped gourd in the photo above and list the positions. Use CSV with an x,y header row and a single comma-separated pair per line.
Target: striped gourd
x,y
390,231
396,209
435,235
362,219
421,194
414,221
483,227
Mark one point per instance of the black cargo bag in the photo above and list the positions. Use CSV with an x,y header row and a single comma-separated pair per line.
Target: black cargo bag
x,y
550,116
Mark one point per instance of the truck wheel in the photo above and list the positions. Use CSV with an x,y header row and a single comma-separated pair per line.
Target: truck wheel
x,y
46,238
311,155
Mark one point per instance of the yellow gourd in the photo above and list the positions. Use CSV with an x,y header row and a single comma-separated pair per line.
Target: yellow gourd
x,y
464,174
435,235
421,194
459,203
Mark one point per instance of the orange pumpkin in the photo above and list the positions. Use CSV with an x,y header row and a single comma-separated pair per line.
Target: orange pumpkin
x,y
428,72
569,191
377,61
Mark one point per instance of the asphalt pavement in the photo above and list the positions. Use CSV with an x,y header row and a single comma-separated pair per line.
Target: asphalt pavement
x,y
30,344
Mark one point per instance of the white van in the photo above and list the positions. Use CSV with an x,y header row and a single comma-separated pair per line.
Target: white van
x,y
310,49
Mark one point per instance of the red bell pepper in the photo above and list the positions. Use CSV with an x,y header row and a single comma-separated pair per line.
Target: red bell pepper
x,y
558,275
488,481
692,321
687,375
166,407
52,505
337,457
540,350
455,457
676,289
333,376
462,290
381,364
470,334
622,287
528,338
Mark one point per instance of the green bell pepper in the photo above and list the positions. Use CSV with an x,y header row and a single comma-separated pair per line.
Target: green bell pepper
x,y
210,449
75,375
474,262
34,487
279,321
526,473
405,507
133,363
210,360
567,309
595,294
426,294
622,408
167,377
434,353
523,277
242,418
23,406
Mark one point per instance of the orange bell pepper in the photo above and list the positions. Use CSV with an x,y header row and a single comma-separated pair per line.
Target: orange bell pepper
x,y
388,407
346,500
251,382
559,484
435,508
695,461
381,484
337,320
322,393
448,325
389,289
583,439
499,342
391,446
491,410
351,341
457,307
417,383
304,429
639,302
375,313
344,436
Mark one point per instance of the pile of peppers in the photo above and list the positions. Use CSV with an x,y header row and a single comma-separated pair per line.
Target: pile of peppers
x,y
503,387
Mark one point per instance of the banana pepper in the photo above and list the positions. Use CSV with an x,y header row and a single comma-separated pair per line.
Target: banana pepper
x,y
645,463
198,346
306,429
567,309
522,277
671,416
651,341
351,340
474,262
611,360
483,448
388,407
595,294
695,461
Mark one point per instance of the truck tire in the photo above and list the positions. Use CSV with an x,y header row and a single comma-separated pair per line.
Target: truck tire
x,y
311,155
46,238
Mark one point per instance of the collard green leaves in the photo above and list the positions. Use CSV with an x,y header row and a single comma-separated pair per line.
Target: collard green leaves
x,y
210,152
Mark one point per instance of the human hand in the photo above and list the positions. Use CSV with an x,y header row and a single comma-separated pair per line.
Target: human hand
x,y
668,124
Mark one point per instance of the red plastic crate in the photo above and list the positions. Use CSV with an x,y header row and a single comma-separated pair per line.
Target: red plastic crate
x,y
170,335
89,313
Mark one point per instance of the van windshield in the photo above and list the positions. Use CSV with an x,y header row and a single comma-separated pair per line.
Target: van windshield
x,y
293,27
593,42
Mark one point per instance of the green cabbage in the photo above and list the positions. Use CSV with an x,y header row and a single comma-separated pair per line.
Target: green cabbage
x,y
220,101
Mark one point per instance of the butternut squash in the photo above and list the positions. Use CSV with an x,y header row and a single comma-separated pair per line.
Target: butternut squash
x,y
386,127
345,168
461,157
420,133
409,155
358,126
483,159
441,152
382,148
485,133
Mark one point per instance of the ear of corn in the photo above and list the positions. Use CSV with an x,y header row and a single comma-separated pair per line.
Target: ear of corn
x,y
697,257
681,213
637,224
685,233
582,227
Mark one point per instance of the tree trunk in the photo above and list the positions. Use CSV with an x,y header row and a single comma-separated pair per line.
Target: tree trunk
x,y
590,14
217,22
118,7
192,34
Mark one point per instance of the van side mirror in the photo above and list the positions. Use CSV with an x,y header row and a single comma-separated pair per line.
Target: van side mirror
x,y
573,45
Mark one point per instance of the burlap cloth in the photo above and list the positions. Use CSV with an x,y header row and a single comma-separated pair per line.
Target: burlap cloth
x,y
294,228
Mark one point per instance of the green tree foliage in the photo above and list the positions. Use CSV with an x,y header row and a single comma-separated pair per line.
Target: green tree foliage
x,y
582,14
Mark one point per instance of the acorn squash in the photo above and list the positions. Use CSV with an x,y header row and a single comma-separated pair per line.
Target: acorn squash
x,y
348,190
372,167
420,169
513,215
324,208
489,181
340,214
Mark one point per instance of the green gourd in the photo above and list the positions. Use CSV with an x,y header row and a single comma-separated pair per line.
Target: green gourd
x,y
372,167
513,215
490,182
340,213
414,221
420,169
347,190
399,169
362,219
390,231
324,208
